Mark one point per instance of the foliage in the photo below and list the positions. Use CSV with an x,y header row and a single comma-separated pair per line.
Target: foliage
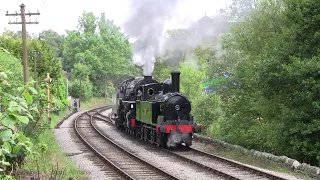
x,y
16,109
50,160
239,9
272,100
216,82
110,89
190,81
81,89
12,66
161,70
46,61
207,111
81,70
22,109
100,44
54,41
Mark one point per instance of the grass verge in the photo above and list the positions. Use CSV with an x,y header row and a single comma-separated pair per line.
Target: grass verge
x,y
48,161
94,102
55,118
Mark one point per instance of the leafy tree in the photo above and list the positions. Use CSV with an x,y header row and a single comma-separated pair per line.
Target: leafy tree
x,y
239,9
208,111
83,90
271,99
54,41
161,70
46,61
11,65
100,44
191,80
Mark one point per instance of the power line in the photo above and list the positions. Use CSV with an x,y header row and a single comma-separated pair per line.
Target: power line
x,y
44,1
24,36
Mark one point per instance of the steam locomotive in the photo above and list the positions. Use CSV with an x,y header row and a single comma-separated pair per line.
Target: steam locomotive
x,y
155,112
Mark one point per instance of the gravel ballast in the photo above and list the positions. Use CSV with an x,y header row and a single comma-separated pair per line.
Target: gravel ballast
x,y
77,152
130,145
151,155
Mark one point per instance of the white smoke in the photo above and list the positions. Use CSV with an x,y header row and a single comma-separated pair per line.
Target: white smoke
x,y
146,23
177,138
174,139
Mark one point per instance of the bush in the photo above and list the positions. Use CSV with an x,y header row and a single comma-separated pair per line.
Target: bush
x,y
84,91
207,111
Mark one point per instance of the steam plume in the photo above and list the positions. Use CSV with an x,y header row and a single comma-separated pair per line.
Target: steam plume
x,y
146,23
174,139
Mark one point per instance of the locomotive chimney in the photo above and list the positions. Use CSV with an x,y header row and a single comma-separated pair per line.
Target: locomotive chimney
x,y
147,78
175,78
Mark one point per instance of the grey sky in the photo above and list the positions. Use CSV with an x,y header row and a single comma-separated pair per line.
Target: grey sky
x,y
61,15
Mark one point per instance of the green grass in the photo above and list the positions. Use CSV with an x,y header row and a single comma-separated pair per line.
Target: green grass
x,y
55,118
49,160
95,102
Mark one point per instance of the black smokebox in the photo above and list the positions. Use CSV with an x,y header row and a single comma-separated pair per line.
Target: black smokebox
x,y
175,78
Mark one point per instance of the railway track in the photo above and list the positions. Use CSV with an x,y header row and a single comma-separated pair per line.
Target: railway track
x,y
224,167
122,164
215,164
235,164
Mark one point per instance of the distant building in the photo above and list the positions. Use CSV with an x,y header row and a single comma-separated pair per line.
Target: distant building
x,y
210,27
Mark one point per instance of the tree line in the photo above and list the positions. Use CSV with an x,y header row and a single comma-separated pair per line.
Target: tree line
x,y
264,73
96,55
265,79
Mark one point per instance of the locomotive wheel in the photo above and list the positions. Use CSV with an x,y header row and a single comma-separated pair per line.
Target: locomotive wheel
x,y
145,134
152,136
159,139
164,141
141,132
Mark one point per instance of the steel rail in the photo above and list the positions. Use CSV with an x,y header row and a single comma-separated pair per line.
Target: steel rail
x,y
237,164
114,166
214,157
131,154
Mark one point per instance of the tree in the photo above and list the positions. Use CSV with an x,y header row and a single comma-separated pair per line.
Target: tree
x,y
207,110
161,70
102,46
191,80
83,91
54,40
271,100
239,9
46,61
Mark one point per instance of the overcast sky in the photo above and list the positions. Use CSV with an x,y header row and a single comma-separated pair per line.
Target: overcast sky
x,y
61,15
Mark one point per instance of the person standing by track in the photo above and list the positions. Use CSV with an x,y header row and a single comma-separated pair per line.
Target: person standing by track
x,y
75,105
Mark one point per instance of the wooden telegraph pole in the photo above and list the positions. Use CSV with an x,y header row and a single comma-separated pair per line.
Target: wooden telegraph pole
x,y
35,56
24,37
48,80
